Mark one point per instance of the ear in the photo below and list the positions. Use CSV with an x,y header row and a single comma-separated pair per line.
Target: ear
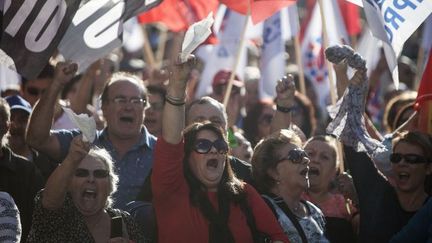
x,y
273,173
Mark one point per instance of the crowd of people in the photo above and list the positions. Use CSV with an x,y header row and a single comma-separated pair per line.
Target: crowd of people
x,y
166,166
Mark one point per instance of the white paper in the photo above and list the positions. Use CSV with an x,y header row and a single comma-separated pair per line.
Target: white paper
x,y
86,124
195,35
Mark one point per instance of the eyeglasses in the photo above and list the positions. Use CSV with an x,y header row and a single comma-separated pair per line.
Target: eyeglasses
x,y
34,91
203,146
409,158
96,173
134,101
297,156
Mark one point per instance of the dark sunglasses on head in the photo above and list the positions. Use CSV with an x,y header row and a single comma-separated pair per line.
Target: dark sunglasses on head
x,y
203,146
96,173
297,156
409,158
34,91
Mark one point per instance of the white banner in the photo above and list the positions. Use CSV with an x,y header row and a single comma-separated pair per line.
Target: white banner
x,y
393,22
272,61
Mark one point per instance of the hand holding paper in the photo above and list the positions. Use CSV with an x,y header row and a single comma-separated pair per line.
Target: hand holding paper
x,y
86,124
195,35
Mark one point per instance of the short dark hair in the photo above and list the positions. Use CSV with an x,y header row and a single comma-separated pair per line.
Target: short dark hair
x,y
46,73
417,138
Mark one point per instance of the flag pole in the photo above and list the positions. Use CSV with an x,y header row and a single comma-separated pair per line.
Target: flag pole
x,y
325,45
237,59
299,64
330,75
161,45
147,51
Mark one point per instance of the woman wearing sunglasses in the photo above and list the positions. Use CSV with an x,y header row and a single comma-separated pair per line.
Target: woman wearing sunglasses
x,y
196,196
385,206
280,168
75,205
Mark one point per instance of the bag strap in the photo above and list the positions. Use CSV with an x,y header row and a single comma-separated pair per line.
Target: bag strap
x,y
293,219
281,204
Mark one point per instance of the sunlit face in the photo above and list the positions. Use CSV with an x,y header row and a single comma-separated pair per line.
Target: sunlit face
x,y
208,168
123,120
290,175
18,124
153,114
90,193
33,89
322,164
206,112
409,177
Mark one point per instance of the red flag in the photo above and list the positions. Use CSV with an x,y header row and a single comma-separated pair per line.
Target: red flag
x,y
178,15
351,16
424,99
260,9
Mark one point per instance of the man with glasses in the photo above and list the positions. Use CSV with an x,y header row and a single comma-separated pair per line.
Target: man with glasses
x,y
124,100
32,89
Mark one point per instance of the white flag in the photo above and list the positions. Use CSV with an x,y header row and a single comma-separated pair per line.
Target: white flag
x,y
312,48
272,61
393,22
369,48
223,54
290,22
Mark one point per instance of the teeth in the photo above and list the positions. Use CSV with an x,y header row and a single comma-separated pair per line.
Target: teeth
x,y
90,191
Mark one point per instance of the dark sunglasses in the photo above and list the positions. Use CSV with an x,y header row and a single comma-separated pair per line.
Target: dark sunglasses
x,y
297,156
96,173
203,146
34,91
409,158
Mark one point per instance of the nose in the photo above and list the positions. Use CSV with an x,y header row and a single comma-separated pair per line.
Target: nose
x,y
213,150
90,177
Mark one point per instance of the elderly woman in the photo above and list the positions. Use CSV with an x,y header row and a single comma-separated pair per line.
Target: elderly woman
x,y
75,204
280,168
324,166
197,197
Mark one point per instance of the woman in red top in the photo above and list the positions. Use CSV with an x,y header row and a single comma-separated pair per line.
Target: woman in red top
x,y
197,197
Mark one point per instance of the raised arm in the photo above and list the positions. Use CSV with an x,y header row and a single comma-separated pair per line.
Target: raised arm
x,y
285,90
38,131
58,182
173,121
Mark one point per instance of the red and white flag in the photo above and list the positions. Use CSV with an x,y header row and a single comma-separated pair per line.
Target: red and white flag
x,y
424,98
313,58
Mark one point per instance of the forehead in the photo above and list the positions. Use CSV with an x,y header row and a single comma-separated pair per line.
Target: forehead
x,y
285,148
207,134
92,163
201,112
320,146
404,148
124,88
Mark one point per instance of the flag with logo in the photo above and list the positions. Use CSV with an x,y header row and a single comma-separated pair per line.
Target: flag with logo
x,y
312,48
393,22
222,55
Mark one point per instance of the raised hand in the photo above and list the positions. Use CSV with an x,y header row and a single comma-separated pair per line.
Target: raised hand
x,y
359,77
179,74
64,72
77,150
285,90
